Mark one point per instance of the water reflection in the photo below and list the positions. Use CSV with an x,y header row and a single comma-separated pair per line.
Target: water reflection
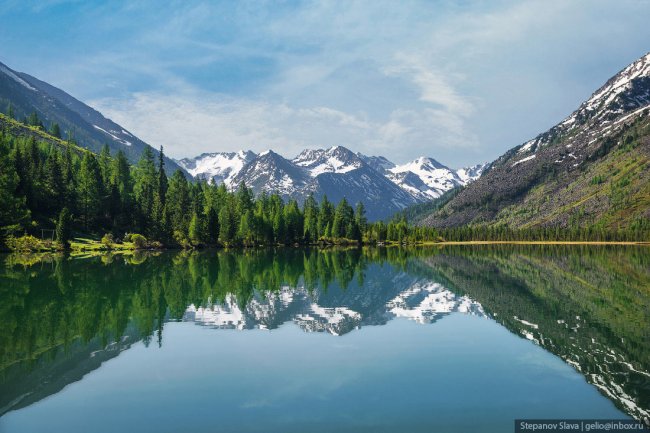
x,y
588,305
422,301
63,317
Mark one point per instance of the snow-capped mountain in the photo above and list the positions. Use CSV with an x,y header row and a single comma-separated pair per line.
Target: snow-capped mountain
x,y
337,159
337,172
468,174
218,167
619,99
424,178
271,172
379,163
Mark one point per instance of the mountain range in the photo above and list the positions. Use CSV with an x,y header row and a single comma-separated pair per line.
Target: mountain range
x,y
383,186
590,170
89,127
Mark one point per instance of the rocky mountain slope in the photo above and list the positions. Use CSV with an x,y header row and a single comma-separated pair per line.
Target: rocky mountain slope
x,y
337,172
89,127
590,170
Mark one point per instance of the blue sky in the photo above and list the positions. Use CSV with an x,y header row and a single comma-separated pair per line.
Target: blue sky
x,y
459,81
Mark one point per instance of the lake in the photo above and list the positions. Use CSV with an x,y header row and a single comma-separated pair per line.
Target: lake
x,y
450,339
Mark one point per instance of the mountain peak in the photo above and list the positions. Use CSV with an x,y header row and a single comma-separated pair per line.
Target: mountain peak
x,y
621,96
620,83
218,167
426,161
336,159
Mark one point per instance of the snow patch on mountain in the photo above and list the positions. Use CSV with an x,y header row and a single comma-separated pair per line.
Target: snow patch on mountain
x,y
619,83
121,140
15,77
336,159
627,91
469,174
436,176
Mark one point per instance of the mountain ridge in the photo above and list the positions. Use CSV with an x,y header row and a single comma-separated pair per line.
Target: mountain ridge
x,y
590,170
337,172
89,127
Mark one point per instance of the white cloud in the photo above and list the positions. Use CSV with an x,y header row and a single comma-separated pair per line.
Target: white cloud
x,y
461,83
191,124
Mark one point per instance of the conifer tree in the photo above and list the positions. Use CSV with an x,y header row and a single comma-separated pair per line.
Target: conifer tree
x,y
360,217
178,204
13,208
63,228
162,178
226,225
10,111
55,130
122,189
195,232
325,218
55,188
310,212
89,190
105,165
145,188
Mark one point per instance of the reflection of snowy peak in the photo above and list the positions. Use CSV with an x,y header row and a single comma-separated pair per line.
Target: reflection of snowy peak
x,y
336,321
422,302
426,303
264,311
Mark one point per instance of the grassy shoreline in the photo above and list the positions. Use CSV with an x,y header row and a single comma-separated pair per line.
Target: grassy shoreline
x,y
82,246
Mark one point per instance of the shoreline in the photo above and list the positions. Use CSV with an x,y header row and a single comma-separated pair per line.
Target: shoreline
x,y
644,243
121,249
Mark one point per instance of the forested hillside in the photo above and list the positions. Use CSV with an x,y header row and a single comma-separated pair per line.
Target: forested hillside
x,y
48,183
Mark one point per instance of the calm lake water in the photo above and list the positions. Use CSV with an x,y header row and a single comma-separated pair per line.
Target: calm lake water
x,y
451,339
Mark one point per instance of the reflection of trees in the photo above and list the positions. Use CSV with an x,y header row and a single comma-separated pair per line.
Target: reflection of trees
x,y
51,301
591,306
51,305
